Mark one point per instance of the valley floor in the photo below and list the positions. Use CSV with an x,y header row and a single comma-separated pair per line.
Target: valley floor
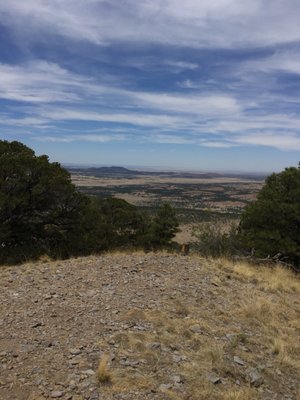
x,y
165,327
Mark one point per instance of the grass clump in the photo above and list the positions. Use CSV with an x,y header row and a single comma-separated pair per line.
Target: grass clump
x,y
103,372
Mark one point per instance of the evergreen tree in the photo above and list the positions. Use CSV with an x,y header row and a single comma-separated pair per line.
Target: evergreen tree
x,y
162,229
40,210
123,222
271,224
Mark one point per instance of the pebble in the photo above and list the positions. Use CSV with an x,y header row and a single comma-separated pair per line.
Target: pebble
x,y
177,379
75,352
196,329
56,394
89,372
37,324
164,386
177,358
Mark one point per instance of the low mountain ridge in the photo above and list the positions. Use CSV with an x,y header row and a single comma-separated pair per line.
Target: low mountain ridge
x,y
117,171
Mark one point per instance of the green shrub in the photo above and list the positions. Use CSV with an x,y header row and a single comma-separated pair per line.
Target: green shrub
x,y
216,239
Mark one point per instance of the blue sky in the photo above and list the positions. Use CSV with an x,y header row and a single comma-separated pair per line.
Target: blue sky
x,y
200,85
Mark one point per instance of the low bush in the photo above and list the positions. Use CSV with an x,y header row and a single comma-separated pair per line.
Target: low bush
x,y
217,239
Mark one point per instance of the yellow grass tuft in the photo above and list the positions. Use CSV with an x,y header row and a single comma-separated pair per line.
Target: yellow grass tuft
x,y
240,394
215,354
103,373
278,347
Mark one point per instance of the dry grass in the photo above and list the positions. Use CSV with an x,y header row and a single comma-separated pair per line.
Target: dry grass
x,y
278,346
240,394
258,313
268,278
103,372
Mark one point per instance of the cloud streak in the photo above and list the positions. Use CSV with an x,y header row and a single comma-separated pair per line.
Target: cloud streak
x,y
212,74
189,23
52,96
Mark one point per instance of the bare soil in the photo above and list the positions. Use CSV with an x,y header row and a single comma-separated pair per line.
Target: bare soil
x,y
163,326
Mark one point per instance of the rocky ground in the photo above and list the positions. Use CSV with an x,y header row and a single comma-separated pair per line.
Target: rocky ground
x,y
162,326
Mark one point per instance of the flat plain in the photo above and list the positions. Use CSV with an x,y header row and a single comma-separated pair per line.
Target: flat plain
x,y
196,197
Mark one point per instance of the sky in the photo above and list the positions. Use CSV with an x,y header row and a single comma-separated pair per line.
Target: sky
x,y
198,85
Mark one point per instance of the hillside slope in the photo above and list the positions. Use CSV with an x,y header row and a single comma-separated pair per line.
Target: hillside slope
x,y
170,327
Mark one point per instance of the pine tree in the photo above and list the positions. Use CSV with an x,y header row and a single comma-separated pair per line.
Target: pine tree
x,y
271,224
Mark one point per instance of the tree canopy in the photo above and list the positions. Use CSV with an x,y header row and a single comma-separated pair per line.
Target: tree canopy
x,y
271,224
41,212
40,209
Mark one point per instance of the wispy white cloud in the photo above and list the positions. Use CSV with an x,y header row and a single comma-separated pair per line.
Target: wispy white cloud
x,y
83,138
284,141
45,83
207,104
140,119
222,23
218,144
168,139
253,122
52,96
39,82
152,63
180,65
281,61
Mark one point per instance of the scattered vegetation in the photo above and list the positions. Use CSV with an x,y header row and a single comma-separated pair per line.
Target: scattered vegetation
x,y
194,201
42,213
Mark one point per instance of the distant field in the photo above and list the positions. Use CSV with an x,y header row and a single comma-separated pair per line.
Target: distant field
x,y
195,198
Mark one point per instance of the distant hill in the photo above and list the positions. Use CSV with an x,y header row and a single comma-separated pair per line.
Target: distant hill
x,y
116,171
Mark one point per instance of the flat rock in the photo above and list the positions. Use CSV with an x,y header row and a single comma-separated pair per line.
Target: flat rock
x,y
56,394
196,329
238,360
213,378
255,377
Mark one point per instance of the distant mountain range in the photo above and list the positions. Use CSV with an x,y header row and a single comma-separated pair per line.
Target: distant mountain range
x,y
122,172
